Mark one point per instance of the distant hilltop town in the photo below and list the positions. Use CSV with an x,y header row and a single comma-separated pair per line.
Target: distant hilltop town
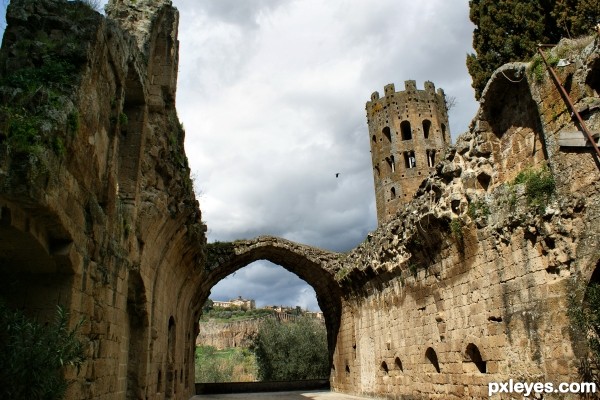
x,y
250,304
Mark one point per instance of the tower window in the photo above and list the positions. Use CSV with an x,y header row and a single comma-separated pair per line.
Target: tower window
x,y
393,192
390,161
426,128
430,158
387,133
374,139
409,159
405,130
444,132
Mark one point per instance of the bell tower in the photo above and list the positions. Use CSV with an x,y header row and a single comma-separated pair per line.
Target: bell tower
x,y
408,133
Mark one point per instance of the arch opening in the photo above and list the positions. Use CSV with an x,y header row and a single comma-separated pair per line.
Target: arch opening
x,y
36,273
298,259
432,357
405,130
474,356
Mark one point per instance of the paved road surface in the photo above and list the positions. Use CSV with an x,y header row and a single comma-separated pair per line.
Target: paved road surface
x,y
312,395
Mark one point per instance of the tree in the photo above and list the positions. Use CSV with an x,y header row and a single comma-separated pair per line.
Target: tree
x,y
509,30
291,351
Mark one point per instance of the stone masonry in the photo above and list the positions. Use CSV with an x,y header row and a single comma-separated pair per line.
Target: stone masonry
x,y
467,283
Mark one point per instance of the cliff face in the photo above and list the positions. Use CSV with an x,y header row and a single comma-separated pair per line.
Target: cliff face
x,y
472,281
230,334
97,207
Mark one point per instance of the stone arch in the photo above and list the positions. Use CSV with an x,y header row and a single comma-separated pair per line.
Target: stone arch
x,y
163,60
308,263
512,119
37,266
131,124
137,314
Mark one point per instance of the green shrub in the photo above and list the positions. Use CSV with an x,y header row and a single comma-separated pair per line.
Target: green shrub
x,y
33,356
539,187
292,351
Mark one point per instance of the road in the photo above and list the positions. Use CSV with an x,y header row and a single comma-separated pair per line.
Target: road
x,y
313,395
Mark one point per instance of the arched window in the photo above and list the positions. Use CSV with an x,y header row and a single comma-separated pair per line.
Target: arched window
x,y
384,368
387,133
426,128
398,364
431,158
405,130
474,356
390,161
444,133
431,356
410,160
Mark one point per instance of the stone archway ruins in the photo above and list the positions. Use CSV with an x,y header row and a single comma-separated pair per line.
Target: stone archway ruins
x,y
311,264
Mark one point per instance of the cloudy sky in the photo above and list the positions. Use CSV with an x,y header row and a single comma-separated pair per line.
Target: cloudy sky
x,y
272,96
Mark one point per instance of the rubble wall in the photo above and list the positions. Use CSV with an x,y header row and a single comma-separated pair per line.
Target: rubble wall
x,y
471,282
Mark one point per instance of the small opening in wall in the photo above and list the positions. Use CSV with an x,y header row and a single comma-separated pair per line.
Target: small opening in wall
x,y
426,128
398,364
333,367
484,180
444,133
431,356
474,356
347,369
405,130
393,193
430,158
387,133
384,368
493,318
159,382
410,160
374,139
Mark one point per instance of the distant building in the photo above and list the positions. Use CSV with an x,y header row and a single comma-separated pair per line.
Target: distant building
x,y
239,302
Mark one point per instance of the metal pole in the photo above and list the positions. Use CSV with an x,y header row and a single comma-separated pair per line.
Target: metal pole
x,y
568,100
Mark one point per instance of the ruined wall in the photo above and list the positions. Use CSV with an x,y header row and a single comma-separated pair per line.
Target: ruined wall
x,y
97,208
470,284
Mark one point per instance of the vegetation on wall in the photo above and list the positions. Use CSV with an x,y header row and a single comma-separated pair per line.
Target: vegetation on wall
x,y
539,187
34,356
510,30
292,350
585,324
37,117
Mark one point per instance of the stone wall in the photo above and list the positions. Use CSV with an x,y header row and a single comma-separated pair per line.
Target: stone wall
x,y
97,208
470,283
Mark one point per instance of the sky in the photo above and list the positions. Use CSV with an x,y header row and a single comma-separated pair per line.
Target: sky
x,y
272,96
